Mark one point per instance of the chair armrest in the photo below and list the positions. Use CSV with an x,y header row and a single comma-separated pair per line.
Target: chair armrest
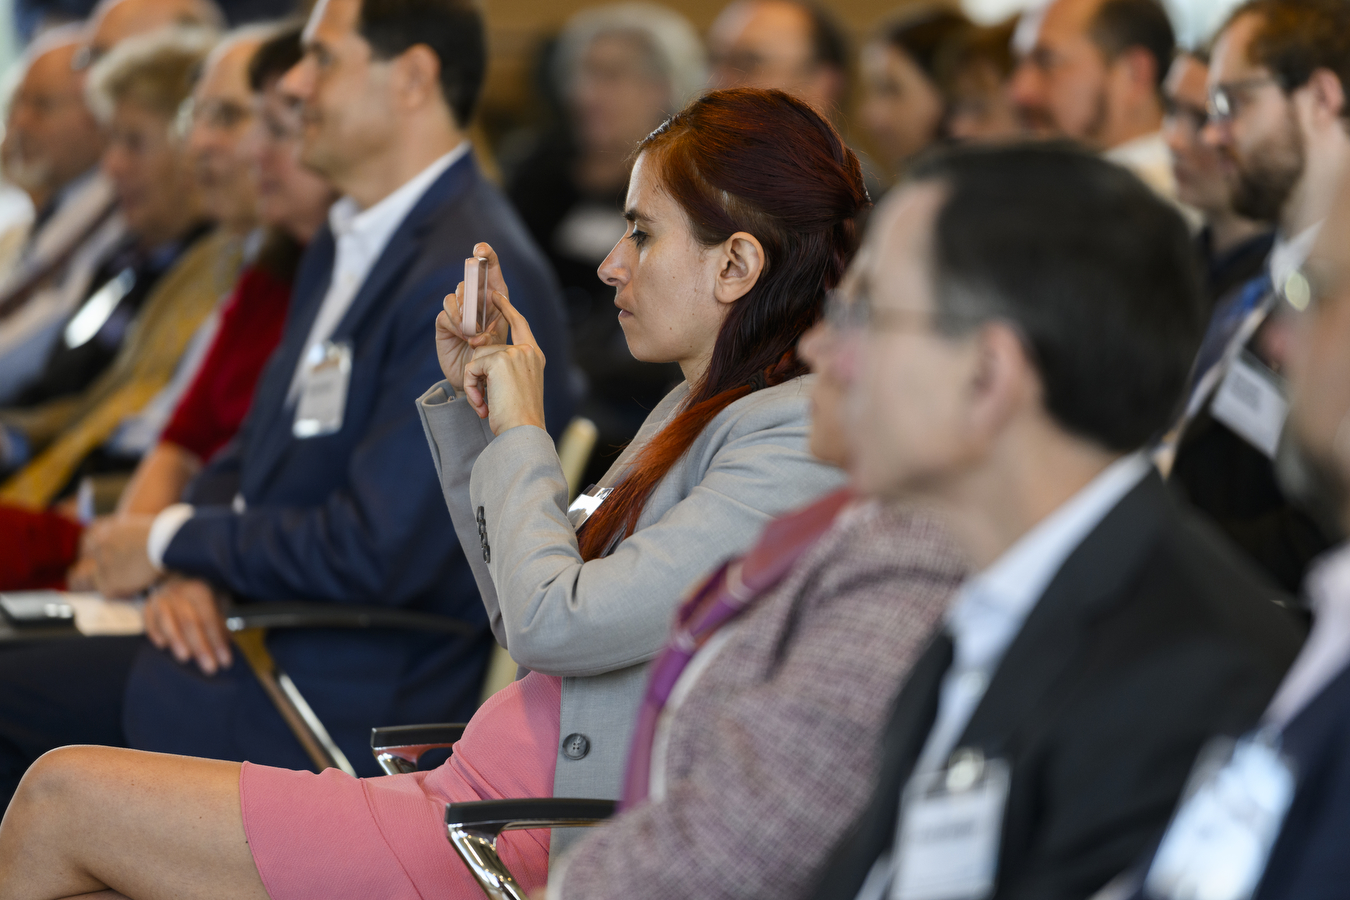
x,y
492,817
473,828
397,748
299,614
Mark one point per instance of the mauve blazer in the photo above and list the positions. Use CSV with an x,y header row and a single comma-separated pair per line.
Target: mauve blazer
x,y
598,624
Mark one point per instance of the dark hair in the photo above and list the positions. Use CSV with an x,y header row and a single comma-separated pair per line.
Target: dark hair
x,y
453,29
1297,37
765,163
1094,271
829,43
1121,24
275,57
922,37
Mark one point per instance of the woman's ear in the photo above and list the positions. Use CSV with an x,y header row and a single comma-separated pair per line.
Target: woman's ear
x,y
739,265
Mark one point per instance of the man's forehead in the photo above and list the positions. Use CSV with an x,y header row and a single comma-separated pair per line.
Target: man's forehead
x,y
902,230
53,64
331,19
1186,78
1230,59
769,24
1053,24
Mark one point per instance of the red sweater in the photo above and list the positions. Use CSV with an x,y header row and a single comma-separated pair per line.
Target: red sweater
x,y
250,328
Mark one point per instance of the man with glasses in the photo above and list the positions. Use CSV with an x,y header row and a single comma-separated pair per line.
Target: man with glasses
x,y
1040,743
1232,247
1279,119
1091,71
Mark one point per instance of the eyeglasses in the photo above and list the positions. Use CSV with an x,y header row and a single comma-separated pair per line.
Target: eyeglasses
x,y
85,56
1226,100
853,312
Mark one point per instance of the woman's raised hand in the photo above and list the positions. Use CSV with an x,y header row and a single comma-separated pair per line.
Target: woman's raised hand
x,y
453,348
505,382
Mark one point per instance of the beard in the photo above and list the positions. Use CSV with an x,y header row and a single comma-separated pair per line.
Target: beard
x,y
1267,177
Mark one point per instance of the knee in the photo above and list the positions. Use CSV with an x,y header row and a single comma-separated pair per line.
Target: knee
x,y
53,781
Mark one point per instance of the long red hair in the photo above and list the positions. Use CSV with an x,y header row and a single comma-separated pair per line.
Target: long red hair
x,y
765,163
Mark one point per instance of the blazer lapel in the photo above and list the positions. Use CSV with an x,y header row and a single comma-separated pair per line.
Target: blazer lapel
x,y
405,244
271,438
266,433
1091,580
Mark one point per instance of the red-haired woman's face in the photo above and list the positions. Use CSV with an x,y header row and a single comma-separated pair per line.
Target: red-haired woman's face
x,y
672,292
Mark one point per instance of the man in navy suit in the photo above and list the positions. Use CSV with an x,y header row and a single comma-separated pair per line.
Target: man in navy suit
x,y
328,494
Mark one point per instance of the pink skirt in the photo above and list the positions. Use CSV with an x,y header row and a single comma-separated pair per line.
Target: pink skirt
x,y
330,836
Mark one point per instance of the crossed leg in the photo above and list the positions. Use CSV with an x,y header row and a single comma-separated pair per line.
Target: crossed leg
x,y
97,823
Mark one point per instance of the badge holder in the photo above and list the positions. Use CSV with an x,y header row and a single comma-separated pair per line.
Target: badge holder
x,y
1231,812
1251,401
951,824
323,397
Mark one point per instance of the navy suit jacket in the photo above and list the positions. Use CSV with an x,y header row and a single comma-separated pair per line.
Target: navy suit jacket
x,y
1311,859
351,517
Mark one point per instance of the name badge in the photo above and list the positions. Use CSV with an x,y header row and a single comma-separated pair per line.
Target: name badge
x,y
951,823
1220,838
587,502
1251,402
323,398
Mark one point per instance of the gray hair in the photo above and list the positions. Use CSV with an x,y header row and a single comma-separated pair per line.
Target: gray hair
x,y
155,70
674,50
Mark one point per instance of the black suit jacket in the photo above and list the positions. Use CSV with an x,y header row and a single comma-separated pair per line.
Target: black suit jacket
x,y
1153,636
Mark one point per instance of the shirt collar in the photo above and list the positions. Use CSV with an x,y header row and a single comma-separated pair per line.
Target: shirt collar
x,y
1007,590
1288,254
378,223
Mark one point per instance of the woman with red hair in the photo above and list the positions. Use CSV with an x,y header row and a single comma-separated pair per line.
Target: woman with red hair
x,y
741,215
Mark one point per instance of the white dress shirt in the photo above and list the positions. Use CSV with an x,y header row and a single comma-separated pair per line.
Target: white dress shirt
x,y
361,236
991,607
1327,650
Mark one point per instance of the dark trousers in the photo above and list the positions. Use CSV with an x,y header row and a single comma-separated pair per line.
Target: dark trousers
x,y
59,692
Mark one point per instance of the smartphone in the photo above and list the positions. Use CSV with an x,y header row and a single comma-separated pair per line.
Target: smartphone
x,y
473,318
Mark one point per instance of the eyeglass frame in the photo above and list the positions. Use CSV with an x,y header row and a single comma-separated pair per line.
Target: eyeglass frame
x,y
1220,105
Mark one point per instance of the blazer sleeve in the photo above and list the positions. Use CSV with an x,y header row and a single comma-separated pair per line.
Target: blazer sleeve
x,y
560,616
377,537
790,756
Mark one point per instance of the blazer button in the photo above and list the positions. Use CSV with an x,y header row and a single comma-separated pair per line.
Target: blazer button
x,y
576,746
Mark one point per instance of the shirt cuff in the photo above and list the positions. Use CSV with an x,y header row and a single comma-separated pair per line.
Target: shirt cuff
x,y
163,530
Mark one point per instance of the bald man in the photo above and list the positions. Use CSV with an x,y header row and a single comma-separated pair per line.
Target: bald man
x,y
51,150
113,21
1092,71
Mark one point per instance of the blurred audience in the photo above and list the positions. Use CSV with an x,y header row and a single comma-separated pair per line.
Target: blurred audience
x,y
37,548
1277,85
51,148
902,106
973,71
124,343
792,46
1233,248
113,21
622,70
327,493
1041,740
1092,71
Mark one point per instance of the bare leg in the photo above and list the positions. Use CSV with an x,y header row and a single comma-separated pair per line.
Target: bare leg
x,y
145,825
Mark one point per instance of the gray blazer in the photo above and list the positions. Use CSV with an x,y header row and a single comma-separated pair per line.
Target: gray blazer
x,y
597,624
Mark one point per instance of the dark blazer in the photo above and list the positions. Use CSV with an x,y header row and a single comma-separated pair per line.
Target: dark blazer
x,y
351,517
1309,860
1234,483
1153,636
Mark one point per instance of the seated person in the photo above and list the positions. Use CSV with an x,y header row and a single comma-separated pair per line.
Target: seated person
x,y
125,342
1297,765
1048,729
36,548
327,493
586,609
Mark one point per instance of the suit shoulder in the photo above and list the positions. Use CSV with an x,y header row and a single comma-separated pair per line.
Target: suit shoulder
x,y
786,404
